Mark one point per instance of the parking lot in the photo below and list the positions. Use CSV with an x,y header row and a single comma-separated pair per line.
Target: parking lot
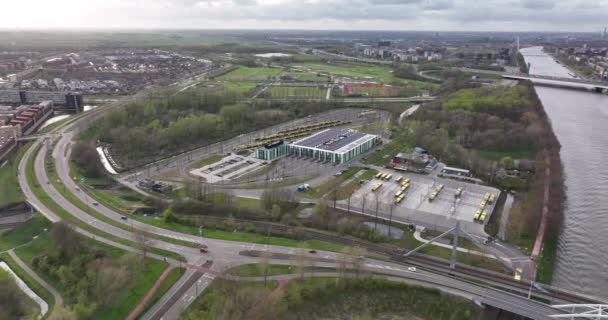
x,y
438,214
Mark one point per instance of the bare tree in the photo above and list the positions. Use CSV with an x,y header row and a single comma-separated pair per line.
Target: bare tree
x,y
334,196
390,219
377,206
142,241
302,261
348,203
363,201
264,264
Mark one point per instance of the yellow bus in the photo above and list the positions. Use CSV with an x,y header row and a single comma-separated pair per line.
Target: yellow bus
x,y
405,187
483,215
477,215
383,176
492,196
399,179
399,193
398,200
378,175
407,180
388,177
433,196
377,186
458,192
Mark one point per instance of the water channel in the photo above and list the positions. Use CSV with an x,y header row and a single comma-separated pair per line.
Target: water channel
x,y
580,121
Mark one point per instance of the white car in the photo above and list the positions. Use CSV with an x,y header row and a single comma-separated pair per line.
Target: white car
x,y
411,269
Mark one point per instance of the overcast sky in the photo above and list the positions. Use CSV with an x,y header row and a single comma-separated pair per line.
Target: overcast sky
x,y
490,15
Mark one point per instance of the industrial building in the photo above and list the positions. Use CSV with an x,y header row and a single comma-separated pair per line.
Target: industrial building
x,y
331,145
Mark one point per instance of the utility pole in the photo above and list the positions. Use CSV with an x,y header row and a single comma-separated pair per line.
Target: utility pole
x,y
455,245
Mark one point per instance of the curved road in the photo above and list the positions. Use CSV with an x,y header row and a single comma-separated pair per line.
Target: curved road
x,y
226,254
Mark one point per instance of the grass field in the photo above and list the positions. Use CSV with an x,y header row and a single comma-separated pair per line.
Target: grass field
x,y
348,189
361,71
173,276
384,155
306,76
320,190
23,233
334,298
143,281
515,154
120,200
289,92
408,241
9,186
55,181
59,211
240,236
248,74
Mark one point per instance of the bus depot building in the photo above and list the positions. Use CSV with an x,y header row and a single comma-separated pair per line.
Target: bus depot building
x,y
330,145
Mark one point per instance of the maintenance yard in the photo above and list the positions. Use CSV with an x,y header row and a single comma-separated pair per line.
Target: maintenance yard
x,y
415,207
229,167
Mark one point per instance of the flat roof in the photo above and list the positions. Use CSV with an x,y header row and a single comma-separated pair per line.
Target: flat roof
x,y
334,140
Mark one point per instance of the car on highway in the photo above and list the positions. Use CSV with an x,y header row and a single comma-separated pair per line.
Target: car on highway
x,y
203,250
411,269
312,251
124,218
95,203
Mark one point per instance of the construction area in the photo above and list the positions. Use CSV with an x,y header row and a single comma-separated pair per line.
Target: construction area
x,y
432,202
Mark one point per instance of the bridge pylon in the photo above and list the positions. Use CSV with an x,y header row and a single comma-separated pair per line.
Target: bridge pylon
x,y
581,311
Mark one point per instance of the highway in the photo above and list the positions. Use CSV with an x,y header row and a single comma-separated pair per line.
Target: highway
x,y
224,254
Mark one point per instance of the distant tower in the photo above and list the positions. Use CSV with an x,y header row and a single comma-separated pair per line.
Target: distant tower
x,y
517,43
604,34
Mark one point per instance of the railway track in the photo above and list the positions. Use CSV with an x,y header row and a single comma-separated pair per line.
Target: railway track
x,y
426,262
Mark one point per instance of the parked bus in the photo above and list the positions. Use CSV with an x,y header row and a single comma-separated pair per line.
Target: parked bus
x,y
377,186
399,199
458,192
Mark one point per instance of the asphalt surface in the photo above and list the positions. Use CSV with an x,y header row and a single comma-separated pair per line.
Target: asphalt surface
x,y
226,254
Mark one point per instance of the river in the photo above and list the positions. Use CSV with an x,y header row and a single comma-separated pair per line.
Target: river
x,y
580,122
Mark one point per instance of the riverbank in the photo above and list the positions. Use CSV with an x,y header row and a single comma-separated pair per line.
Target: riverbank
x,y
553,198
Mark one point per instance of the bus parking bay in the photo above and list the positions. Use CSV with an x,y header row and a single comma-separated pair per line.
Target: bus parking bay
x,y
438,214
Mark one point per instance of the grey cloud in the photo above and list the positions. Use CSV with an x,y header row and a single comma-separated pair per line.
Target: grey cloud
x,y
319,14
538,4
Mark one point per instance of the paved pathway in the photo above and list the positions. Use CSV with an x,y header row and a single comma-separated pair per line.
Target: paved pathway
x,y
44,284
44,306
443,245
504,217
137,310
